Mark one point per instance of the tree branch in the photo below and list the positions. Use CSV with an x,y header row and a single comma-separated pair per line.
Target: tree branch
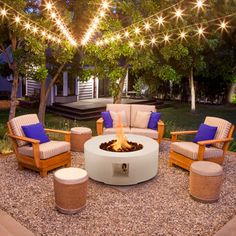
x,y
54,79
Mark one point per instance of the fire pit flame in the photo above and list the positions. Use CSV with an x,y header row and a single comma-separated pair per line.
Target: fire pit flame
x,y
121,144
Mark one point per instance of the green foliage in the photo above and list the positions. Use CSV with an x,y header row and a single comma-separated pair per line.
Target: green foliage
x,y
167,73
41,73
5,145
234,99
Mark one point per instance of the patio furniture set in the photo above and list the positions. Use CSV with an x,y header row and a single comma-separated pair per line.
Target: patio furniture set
x,y
141,125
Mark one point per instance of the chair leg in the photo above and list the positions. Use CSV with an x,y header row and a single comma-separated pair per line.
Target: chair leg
x,y
20,167
43,173
68,164
170,163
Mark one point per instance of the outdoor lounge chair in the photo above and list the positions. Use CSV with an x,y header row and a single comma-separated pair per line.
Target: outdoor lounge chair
x,y
33,155
184,153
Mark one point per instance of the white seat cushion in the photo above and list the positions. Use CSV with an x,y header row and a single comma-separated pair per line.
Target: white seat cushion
x,y
17,122
145,132
135,108
223,127
190,150
46,150
113,130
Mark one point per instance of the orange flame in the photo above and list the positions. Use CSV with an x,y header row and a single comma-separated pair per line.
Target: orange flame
x,y
121,140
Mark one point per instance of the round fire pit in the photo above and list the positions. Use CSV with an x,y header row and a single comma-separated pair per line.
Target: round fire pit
x,y
121,168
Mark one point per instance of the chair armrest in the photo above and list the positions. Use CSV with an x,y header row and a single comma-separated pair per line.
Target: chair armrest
x,y
207,142
99,126
174,135
35,145
161,127
22,138
202,146
56,131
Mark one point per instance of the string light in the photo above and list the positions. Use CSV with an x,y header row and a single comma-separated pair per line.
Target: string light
x,y
126,34
3,12
142,43
95,22
160,21
147,26
137,30
131,44
183,35
178,13
17,19
48,5
59,23
166,38
23,21
223,26
153,40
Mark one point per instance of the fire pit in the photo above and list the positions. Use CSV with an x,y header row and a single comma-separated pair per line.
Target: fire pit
x,y
121,167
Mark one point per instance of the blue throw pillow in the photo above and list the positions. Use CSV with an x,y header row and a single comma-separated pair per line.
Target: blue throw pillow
x,y
35,131
153,120
205,132
107,119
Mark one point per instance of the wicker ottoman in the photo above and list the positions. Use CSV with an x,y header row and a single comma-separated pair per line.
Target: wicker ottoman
x,y
205,181
79,135
70,187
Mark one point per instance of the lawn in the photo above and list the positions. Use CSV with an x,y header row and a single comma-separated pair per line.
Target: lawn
x,y
176,117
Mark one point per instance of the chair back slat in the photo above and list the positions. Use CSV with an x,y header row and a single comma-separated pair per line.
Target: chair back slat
x,y
223,128
17,123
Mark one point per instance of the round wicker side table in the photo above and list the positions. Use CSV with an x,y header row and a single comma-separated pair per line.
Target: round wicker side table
x,y
70,187
79,135
205,181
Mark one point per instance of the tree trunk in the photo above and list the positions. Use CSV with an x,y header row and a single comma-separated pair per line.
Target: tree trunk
x,y
192,88
117,98
42,104
44,93
14,89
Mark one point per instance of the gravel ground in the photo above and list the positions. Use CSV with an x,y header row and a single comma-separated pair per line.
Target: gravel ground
x,y
161,206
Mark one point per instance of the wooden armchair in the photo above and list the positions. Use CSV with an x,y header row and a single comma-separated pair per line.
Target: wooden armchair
x,y
40,157
184,153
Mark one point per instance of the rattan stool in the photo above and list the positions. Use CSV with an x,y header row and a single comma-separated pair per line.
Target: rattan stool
x,y
70,187
205,181
79,135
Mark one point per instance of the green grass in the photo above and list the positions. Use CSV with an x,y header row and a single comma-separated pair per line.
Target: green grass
x,y
176,117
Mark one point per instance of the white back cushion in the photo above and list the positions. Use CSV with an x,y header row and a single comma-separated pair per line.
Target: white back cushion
x,y
135,108
223,127
120,107
19,121
118,117
142,119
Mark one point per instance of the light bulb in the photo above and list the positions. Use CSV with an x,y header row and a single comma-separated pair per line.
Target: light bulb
x,y
126,34
17,19
153,40
131,44
3,12
49,6
137,30
53,15
147,26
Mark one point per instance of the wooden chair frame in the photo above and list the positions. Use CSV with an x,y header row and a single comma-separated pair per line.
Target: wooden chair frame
x,y
160,128
35,163
185,162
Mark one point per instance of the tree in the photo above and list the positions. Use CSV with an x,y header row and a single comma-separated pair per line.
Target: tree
x,y
112,60
11,36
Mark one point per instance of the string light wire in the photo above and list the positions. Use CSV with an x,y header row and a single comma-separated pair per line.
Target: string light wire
x,y
26,23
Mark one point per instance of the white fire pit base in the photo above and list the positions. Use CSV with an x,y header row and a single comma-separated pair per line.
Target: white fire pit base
x,y
121,168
